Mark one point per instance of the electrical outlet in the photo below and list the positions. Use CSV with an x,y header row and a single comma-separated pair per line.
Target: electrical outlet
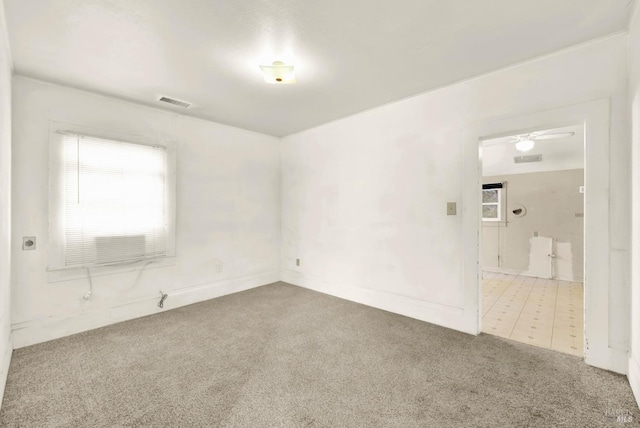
x,y
297,262
28,243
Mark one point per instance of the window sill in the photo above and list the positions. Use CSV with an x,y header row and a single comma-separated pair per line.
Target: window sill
x,y
81,272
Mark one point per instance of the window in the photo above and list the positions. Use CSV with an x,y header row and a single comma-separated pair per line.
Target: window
x,y
491,204
110,201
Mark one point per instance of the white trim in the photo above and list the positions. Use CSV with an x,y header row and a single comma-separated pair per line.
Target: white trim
x,y
5,361
443,315
634,378
68,274
595,116
477,77
169,111
50,328
4,28
6,347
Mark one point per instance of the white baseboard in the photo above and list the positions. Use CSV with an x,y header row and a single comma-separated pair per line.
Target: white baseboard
x,y
5,360
42,330
634,378
434,313
517,272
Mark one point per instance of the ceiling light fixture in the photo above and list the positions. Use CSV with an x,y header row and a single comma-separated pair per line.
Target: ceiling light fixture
x,y
278,73
525,144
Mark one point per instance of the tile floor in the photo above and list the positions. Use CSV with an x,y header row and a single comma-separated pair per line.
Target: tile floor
x,y
541,312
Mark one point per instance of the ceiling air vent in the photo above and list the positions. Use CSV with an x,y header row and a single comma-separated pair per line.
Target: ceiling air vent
x,y
527,158
174,102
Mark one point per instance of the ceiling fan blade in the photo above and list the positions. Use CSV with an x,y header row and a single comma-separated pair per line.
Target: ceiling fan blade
x,y
552,136
499,141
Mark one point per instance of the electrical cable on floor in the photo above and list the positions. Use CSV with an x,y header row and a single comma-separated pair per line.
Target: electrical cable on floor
x,y
89,293
162,299
140,272
87,296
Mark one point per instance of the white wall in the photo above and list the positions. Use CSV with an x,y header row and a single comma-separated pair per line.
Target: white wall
x,y
363,198
552,199
634,103
227,214
5,203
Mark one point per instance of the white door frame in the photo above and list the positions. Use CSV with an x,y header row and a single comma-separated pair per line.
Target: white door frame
x,y
595,116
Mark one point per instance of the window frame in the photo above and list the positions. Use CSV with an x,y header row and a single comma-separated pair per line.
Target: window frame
x,y
498,204
56,238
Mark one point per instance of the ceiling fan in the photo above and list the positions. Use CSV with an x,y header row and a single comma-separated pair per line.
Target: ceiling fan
x,y
526,142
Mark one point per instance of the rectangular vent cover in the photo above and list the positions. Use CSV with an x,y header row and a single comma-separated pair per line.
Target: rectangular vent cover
x,y
174,102
118,248
528,158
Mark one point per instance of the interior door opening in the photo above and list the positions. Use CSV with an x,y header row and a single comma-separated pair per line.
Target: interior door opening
x,y
532,238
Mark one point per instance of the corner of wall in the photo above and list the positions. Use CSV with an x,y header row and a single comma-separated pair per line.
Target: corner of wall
x,y
634,119
5,360
6,64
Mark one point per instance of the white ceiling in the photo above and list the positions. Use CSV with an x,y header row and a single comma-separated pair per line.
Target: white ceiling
x,y
350,55
557,154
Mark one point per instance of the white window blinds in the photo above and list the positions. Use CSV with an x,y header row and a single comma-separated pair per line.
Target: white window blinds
x,y
114,201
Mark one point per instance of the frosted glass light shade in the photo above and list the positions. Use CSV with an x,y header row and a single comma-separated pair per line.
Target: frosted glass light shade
x,y
525,145
278,73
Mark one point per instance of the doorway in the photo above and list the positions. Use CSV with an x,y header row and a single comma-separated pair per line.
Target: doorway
x,y
532,237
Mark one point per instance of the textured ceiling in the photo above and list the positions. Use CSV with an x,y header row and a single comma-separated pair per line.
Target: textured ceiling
x,y
350,55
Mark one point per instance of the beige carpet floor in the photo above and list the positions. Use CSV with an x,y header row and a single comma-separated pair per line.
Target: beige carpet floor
x,y
283,356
